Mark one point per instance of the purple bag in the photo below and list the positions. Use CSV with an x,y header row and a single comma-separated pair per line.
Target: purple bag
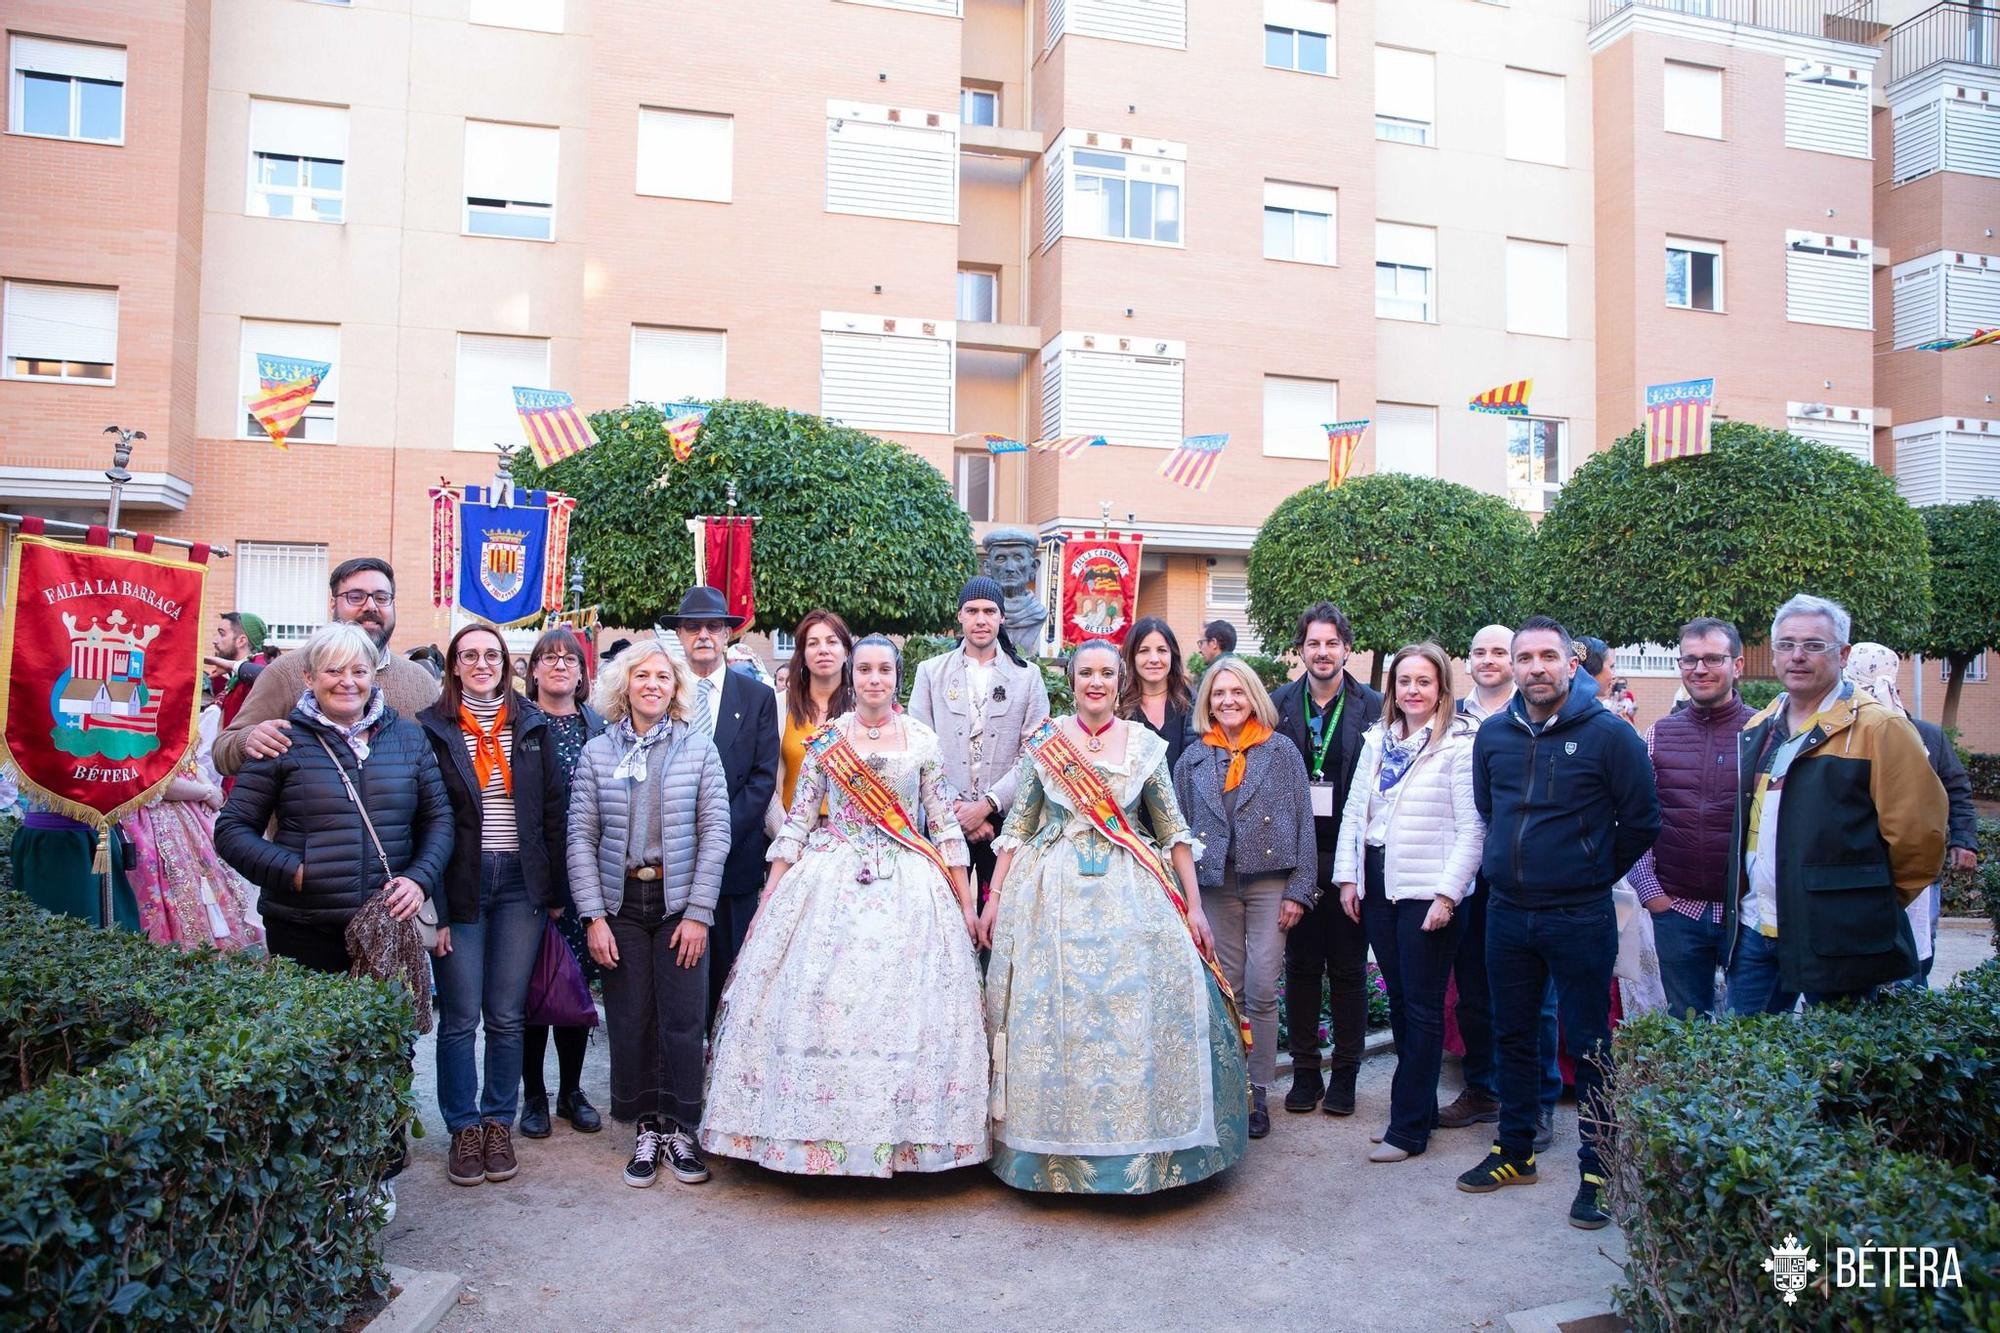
x,y
557,994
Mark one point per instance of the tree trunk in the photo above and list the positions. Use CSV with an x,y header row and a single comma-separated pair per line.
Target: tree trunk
x,y
1375,663
1960,664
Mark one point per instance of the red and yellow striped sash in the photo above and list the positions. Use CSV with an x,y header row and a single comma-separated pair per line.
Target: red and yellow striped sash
x,y
848,771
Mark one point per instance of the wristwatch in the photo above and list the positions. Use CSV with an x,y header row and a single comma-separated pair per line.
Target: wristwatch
x,y
992,803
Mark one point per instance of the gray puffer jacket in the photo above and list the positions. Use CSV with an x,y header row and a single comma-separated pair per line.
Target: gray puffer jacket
x,y
684,774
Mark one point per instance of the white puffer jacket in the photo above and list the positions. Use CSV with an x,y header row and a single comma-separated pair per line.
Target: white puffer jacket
x,y
1435,832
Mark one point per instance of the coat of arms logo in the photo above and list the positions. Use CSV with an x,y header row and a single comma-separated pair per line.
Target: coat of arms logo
x,y
1791,1266
102,704
502,561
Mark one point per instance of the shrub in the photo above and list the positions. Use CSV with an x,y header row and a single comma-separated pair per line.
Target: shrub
x,y
188,1140
1984,770
1874,1124
1759,692
1973,892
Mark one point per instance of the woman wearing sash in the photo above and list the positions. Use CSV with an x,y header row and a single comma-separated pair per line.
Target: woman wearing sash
x,y
850,1040
1118,1064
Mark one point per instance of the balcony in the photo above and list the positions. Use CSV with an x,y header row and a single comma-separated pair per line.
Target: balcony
x,y
1950,33
1839,20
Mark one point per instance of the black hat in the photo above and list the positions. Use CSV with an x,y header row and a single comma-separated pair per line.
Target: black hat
x,y
702,603
982,588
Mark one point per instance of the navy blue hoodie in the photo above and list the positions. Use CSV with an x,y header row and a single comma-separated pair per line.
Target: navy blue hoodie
x,y
1568,809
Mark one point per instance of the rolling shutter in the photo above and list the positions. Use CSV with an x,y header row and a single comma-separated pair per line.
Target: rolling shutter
x,y
48,322
77,60
676,365
294,129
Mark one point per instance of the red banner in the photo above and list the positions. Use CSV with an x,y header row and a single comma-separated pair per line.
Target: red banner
x,y
103,656
728,547
1100,586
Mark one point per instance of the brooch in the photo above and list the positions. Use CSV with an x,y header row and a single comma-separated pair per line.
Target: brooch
x,y
952,694
999,695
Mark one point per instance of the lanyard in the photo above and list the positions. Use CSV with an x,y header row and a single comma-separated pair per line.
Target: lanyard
x,y
1330,726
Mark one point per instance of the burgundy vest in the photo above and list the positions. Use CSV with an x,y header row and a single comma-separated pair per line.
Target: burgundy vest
x,y
1694,762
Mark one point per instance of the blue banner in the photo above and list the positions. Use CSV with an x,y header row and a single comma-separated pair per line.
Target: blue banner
x,y
502,552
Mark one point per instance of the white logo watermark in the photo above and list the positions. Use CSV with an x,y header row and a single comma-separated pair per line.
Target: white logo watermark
x,y
1867,1266
1791,1266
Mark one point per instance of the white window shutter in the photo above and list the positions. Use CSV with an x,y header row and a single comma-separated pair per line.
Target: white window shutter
x,y
1127,389
943,8
1693,99
1972,129
77,60
1302,15
888,162
1055,189
1405,84
887,374
1828,280
1534,114
1948,460
490,368
296,129
1296,413
678,365
1406,439
1916,132
1971,294
1147,22
534,15
686,154
49,322
1916,298
1537,288
1848,429
1827,108
512,162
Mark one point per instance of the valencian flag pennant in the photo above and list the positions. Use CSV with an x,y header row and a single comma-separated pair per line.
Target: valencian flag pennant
x,y
285,389
683,426
1193,464
1677,419
1508,400
1068,446
1977,338
1001,444
555,429
1342,439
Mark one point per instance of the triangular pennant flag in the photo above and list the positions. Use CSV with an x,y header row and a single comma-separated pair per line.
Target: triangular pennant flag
x,y
1192,464
285,390
1342,439
683,427
1507,400
555,429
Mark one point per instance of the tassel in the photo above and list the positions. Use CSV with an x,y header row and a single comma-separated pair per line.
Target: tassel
x,y
100,864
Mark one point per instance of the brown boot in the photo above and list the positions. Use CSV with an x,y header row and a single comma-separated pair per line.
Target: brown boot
x,y
499,1145
467,1163
1470,1108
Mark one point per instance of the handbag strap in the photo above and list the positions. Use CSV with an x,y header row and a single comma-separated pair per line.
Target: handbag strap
x,y
355,797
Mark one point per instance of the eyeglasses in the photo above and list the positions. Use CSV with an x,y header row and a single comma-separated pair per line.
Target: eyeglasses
x,y
479,657
1713,661
555,660
358,598
1810,647
709,626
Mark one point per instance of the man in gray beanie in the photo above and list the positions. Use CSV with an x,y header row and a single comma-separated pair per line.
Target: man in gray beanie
x,y
983,702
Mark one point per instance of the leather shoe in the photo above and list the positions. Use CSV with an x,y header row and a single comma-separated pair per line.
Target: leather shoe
x,y
1305,1090
1339,1092
1260,1114
582,1116
1469,1108
535,1117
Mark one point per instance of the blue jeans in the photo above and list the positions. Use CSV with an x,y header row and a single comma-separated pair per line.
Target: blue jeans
x,y
1527,948
1475,1007
1753,979
1415,963
1690,951
486,975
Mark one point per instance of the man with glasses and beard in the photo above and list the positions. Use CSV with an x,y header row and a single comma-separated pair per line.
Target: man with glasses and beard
x,y
363,593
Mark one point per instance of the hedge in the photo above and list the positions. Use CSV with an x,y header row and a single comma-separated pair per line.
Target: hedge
x,y
1984,769
1976,892
1874,1124
188,1140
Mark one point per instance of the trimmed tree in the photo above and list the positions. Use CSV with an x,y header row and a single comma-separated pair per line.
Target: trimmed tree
x,y
849,522
1965,589
1631,553
1406,558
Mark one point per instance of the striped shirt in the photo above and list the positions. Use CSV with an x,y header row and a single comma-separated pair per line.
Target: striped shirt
x,y
497,832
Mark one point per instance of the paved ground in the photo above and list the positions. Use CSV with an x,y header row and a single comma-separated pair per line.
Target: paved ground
x,y
1303,1230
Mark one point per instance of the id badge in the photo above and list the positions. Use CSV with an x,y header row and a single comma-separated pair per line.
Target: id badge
x,y
1322,794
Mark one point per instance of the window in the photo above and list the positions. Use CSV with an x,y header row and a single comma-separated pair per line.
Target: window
x,y
510,180
1298,34
1647,659
678,365
1406,439
979,106
284,583
1947,460
1848,429
1693,100
978,295
1827,108
1116,199
1405,266
1944,294
972,484
1126,388
490,368
1694,274
1145,22
1535,127
887,374
60,333
307,342
887,162
67,90
1296,413
1975,670
686,154
1299,222
1537,460
1405,94
1829,280
1537,288
1228,598
535,15
298,161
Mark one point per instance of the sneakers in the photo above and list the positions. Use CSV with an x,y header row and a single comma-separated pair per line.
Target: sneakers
x,y
1496,1171
498,1152
643,1170
1339,1092
535,1117
385,1202
1471,1107
1545,1127
683,1158
1307,1086
1584,1213
466,1163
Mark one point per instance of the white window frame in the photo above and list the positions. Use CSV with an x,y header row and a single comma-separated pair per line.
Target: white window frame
x,y
316,149
1691,245
1523,315
9,353
1313,207
523,15
968,283
1396,253
972,469
303,564
1694,126
41,57
970,98
1535,496
1397,122
1131,169
1529,126
1296,18
484,206
679,137
707,381
1975,670
496,401
257,337
1310,404
1390,420
1654,660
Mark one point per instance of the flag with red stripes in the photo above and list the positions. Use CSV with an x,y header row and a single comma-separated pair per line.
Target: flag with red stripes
x,y
1677,419
1193,464
1068,446
285,389
1342,439
683,426
555,429
1507,400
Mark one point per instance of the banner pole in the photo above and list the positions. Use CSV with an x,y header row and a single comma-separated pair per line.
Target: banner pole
x,y
117,474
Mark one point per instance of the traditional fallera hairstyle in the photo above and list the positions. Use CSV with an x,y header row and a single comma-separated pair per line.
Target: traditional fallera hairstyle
x,y
798,690
1179,695
452,688
876,641
561,637
1260,698
1097,646
610,698
1392,708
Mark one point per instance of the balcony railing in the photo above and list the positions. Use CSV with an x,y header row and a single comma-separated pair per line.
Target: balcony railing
x,y
1966,34
1842,20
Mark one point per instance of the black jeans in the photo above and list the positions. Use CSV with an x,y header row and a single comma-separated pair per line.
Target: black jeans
x,y
317,948
1415,963
1326,944
733,913
654,1012
1525,948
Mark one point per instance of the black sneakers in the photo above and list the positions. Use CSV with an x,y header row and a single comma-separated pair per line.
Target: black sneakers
x,y
1496,1171
1584,1212
683,1158
643,1170
1306,1088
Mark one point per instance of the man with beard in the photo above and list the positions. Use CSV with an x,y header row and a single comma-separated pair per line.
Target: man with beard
x,y
1323,712
364,594
236,662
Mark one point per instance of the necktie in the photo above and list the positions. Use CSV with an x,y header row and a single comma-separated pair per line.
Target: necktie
x,y
705,700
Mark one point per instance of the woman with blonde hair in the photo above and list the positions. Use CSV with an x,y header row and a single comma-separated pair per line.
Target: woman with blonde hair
x,y
1410,839
1250,807
648,833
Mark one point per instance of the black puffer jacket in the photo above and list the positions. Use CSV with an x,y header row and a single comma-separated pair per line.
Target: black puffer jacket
x,y
317,824
541,807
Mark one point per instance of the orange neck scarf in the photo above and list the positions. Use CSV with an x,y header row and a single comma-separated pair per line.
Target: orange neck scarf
x,y
487,752
1253,733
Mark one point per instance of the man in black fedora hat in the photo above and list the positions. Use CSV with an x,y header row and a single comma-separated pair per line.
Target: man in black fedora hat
x,y
741,714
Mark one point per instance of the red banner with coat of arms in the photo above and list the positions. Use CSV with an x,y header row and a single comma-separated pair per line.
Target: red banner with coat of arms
x,y
1100,586
103,658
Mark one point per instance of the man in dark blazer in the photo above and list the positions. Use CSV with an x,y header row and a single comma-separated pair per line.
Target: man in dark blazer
x,y
1323,711
741,713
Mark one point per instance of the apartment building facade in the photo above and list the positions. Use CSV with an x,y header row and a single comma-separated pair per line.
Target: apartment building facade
x,y
933,218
